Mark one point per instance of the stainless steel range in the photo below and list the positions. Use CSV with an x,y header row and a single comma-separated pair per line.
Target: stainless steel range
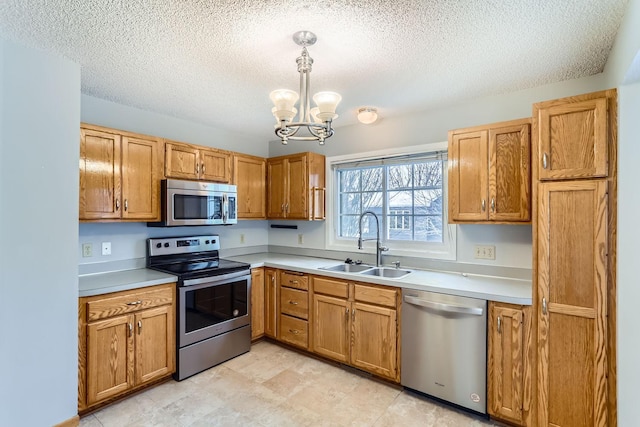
x,y
213,310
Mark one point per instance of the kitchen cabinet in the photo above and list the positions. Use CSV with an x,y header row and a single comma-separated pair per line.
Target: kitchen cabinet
x,y
257,303
294,309
271,303
356,324
250,177
575,259
187,161
296,187
126,342
489,173
119,175
509,362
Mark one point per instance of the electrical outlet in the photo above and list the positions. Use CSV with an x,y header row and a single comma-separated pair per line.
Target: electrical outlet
x,y
300,238
485,252
242,238
87,250
106,248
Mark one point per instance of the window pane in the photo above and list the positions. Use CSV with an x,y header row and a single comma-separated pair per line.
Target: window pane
x,y
349,180
428,202
372,202
400,200
372,179
348,226
350,203
428,228
399,177
368,227
400,227
428,174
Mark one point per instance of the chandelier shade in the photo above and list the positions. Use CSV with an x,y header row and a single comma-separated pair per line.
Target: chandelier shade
x,y
316,121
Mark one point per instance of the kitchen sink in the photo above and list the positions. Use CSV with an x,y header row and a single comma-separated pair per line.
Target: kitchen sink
x,y
348,268
391,273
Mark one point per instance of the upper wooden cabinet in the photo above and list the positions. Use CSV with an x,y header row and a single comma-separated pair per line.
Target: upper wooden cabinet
x,y
573,135
119,175
250,177
489,173
195,162
296,186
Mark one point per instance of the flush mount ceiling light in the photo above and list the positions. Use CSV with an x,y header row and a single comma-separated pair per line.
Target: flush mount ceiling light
x,y
367,115
317,120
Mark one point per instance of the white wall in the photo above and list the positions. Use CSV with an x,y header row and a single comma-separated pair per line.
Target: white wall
x,y
40,114
625,48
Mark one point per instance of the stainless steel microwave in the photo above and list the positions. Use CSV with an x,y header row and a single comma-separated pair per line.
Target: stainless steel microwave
x,y
197,203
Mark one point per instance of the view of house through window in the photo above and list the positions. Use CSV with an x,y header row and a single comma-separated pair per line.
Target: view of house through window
x,y
406,195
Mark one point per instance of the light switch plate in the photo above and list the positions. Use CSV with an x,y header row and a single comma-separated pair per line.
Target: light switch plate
x,y
485,252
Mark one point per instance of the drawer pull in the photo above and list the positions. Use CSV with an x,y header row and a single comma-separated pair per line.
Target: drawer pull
x,y
293,302
293,282
294,331
134,302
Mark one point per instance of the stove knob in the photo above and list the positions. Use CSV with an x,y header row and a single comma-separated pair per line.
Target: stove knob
x,y
158,245
166,245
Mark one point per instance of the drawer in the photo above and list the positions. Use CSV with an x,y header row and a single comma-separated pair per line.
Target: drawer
x,y
294,331
128,302
294,302
294,280
375,295
333,287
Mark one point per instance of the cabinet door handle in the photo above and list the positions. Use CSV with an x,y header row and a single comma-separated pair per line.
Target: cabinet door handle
x,y
545,160
197,168
346,311
286,207
293,302
126,204
493,205
282,207
203,169
130,329
353,314
544,305
139,326
134,302
273,279
484,205
294,331
117,204
499,325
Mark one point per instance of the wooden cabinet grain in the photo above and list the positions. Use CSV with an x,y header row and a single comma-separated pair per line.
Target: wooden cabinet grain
x,y
257,302
489,173
250,177
187,161
293,314
271,303
126,341
296,187
119,175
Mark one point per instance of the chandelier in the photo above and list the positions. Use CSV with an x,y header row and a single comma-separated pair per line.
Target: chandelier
x,y
316,121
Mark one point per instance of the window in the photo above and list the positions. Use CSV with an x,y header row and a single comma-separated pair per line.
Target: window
x,y
408,195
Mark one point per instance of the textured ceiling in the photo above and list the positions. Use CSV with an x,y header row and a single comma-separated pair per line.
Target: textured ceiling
x,y
215,62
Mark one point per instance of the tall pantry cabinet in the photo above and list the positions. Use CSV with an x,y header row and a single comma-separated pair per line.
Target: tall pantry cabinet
x,y
575,145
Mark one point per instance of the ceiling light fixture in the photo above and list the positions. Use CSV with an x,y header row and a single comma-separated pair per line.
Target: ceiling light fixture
x,y
367,115
317,120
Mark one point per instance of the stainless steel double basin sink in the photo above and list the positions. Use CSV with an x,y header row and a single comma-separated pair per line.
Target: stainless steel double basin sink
x,y
386,272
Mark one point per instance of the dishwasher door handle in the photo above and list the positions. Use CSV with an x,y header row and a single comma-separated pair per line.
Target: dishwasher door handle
x,y
447,308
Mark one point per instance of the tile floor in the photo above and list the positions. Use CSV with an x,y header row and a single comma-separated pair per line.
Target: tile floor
x,y
274,386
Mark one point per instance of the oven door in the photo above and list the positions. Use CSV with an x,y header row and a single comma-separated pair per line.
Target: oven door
x,y
211,306
194,207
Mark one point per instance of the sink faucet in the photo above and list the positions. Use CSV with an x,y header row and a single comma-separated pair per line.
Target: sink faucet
x,y
379,248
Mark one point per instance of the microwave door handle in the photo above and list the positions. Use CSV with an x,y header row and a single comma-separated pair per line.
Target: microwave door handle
x,y
225,208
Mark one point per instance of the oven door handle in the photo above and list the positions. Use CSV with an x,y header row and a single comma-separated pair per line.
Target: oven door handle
x,y
216,279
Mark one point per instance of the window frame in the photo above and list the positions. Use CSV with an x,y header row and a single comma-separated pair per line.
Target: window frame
x,y
445,250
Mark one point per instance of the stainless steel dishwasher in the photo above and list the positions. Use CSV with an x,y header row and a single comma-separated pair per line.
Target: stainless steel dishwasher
x,y
444,347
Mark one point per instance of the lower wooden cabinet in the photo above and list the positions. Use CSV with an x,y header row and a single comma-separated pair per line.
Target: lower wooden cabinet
x,y
356,324
271,302
126,341
508,371
257,303
293,312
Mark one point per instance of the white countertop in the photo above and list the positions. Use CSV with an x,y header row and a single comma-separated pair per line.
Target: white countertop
x,y
502,289
103,283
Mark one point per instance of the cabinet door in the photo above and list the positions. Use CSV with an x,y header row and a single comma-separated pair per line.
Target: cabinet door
x,y
155,343
374,339
215,165
257,303
506,362
468,176
572,285
110,358
297,199
140,180
573,138
509,175
330,325
250,176
277,178
100,186
271,302
181,161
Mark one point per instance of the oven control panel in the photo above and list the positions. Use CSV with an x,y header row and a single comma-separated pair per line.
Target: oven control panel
x,y
182,245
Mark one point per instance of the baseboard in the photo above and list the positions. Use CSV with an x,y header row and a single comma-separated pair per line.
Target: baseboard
x,y
71,422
